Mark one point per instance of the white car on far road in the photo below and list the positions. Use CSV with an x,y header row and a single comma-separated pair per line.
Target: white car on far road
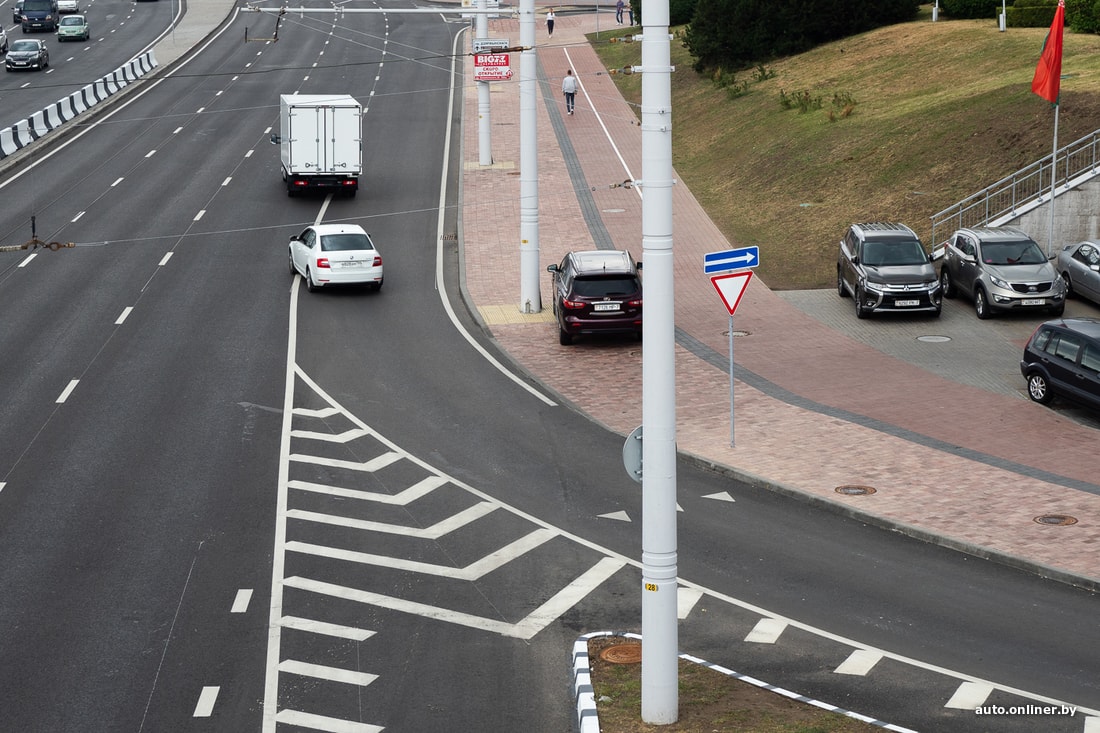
x,y
68,6
336,254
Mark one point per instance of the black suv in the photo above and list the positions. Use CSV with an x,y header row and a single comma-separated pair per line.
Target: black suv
x,y
884,267
597,292
1063,357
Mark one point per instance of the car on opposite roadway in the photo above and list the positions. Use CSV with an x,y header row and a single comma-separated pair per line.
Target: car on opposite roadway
x,y
597,292
1079,265
3,40
27,53
73,27
68,6
884,267
328,255
1062,358
1000,269
17,11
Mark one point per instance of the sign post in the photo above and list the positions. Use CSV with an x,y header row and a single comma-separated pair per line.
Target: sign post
x,y
731,286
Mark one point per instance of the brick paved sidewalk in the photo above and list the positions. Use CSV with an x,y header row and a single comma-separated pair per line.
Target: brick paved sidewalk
x,y
814,409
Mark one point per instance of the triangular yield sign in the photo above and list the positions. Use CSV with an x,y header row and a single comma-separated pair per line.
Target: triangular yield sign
x,y
731,287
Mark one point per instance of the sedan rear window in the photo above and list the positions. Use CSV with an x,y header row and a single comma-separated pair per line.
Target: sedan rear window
x,y
344,242
604,287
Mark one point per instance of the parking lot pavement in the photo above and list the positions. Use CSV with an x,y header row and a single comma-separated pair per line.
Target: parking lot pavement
x,y
929,413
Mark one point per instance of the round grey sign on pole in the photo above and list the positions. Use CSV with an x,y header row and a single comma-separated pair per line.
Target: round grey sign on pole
x,y
632,454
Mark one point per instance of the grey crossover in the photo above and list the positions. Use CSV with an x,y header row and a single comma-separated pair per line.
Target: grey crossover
x,y
884,267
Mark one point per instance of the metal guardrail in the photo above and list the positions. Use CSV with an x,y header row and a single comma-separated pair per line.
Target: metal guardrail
x,y
1023,189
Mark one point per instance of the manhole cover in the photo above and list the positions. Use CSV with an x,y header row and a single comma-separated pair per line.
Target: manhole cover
x,y
1059,520
933,339
622,654
855,490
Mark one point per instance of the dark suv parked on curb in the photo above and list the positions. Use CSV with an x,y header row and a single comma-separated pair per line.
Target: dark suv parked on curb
x,y
1062,358
598,291
1001,269
884,267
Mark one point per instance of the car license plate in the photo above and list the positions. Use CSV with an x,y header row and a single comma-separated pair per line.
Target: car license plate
x,y
350,264
605,307
906,303
1034,301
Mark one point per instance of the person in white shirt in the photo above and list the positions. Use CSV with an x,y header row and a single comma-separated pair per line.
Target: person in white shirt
x,y
550,22
569,88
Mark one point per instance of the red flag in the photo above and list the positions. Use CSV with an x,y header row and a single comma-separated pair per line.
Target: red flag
x,y
1048,74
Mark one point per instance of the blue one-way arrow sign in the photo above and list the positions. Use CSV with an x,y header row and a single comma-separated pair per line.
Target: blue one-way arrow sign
x,y
731,259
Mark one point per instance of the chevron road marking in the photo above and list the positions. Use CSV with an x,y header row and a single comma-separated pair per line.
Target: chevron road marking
x,y
332,674
686,598
372,465
323,627
969,695
473,571
859,662
767,631
535,622
437,530
344,437
322,722
401,498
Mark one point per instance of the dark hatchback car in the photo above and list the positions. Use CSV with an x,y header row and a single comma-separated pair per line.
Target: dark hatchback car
x,y
597,292
1062,358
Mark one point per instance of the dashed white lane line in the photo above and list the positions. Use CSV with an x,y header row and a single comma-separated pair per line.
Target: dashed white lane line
x,y
241,601
767,631
859,663
124,315
969,696
205,706
164,260
67,391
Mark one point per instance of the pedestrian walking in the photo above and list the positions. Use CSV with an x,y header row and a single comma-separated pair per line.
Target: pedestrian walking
x,y
630,10
569,89
619,12
550,22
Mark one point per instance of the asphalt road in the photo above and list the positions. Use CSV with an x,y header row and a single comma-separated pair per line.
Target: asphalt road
x,y
262,508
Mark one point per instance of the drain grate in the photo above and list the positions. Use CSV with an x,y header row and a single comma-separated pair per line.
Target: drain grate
x,y
1057,520
855,490
622,654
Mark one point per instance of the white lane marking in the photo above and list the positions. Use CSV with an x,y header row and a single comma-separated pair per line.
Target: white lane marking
x,y
298,719
969,695
177,131
419,489
227,180
474,571
1092,725
686,598
151,153
767,631
77,217
27,260
241,601
248,154
319,412
332,674
3,484
124,315
343,437
205,706
323,627
859,662
439,284
434,532
164,260
199,111
201,214
537,620
67,391
117,181
617,516
720,496
372,465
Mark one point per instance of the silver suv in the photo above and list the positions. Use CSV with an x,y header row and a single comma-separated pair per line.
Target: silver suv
x,y
884,268
1000,269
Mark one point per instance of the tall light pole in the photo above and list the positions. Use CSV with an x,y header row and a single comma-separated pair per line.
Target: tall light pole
x,y
484,128
530,301
660,635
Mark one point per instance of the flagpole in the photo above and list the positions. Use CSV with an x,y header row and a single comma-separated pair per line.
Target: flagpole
x,y
1053,181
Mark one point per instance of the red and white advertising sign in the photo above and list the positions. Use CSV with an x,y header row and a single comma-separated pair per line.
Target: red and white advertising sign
x,y
492,67
731,287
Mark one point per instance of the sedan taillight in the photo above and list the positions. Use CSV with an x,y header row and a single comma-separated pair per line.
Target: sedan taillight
x,y
323,262
573,304
377,261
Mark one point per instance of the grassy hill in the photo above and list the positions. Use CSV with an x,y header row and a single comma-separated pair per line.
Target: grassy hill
x,y
912,119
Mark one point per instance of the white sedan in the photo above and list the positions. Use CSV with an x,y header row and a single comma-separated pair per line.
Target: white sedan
x,y
68,6
336,254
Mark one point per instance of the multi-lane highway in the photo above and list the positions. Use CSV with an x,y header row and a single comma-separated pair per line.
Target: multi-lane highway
x,y
228,504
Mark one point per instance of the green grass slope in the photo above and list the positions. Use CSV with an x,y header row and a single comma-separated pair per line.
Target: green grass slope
x,y
941,110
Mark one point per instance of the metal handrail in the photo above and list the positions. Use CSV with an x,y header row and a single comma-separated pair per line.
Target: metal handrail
x,y
1027,186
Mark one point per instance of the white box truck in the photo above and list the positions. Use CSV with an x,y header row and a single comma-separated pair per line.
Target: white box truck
x,y
320,142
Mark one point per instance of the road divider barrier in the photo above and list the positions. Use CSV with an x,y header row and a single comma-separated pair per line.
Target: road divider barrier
x,y
26,131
